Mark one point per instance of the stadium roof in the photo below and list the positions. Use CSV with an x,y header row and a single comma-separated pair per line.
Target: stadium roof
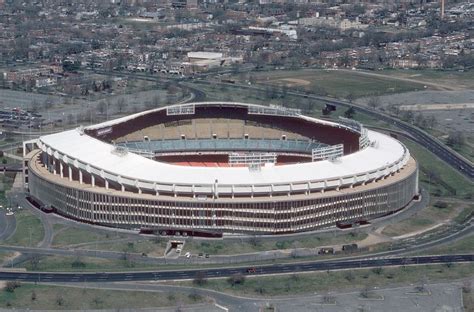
x,y
86,149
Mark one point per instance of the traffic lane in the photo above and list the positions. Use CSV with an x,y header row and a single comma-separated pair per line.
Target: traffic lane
x,y
226,272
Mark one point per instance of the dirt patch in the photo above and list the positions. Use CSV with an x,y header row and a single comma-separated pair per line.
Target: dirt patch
x,y
422,107
3,284
10,257
295,82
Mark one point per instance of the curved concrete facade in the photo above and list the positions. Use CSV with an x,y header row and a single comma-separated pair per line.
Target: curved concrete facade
x,y
267,215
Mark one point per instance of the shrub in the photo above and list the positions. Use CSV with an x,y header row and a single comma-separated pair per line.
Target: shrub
x,y
349,276
11,286
236,279
440,204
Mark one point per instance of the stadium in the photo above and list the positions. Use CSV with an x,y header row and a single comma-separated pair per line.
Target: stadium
x,y
214,168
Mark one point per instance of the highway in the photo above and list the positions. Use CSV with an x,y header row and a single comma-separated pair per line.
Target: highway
x,y
167,275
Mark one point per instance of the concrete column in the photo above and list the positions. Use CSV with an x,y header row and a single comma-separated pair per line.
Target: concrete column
x,y
122,187
69,171
61,172
92,180
54,166
80,176
106,184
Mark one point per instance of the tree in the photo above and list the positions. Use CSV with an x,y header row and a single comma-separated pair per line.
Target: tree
x,y
350,112
121,104
200,278
102,107
421,287
70,119
456,139
254,241
236,279
59,300
33,296
374,102
350,97
97,300
394,109
366,292
407,116
34,261
349,276
11,286
329,299
377,270
467,287
431,122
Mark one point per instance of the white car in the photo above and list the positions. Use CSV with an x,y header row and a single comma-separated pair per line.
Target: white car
x,y
187,255
9,213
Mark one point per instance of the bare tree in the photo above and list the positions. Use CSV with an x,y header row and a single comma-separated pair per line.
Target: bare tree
x,y
374,102
121,105
10,286
236,279
102,107
59,300
456,139
366,292
34,262
200,278
329,299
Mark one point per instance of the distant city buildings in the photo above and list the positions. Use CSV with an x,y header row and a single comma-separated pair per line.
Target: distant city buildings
x,y
184,37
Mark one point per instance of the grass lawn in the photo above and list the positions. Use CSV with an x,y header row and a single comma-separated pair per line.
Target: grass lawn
x,y
336,83
254,245
29,230
155,248
465,245
105,240
62,263
427,217
408,226
6,182
339,280
74,235
455,79
453,179
72,298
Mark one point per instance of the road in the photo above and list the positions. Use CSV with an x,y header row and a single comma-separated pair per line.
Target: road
x,y
7,225
226,272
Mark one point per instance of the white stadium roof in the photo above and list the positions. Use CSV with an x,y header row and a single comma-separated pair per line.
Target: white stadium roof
x,y
88,150
383,156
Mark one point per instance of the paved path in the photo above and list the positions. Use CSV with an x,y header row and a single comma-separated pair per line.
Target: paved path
x,y
7,225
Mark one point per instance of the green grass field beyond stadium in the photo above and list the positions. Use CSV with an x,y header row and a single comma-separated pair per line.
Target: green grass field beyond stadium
x,y
337,83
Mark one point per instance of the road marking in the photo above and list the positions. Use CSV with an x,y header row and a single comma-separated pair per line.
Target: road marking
x,y
221,307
